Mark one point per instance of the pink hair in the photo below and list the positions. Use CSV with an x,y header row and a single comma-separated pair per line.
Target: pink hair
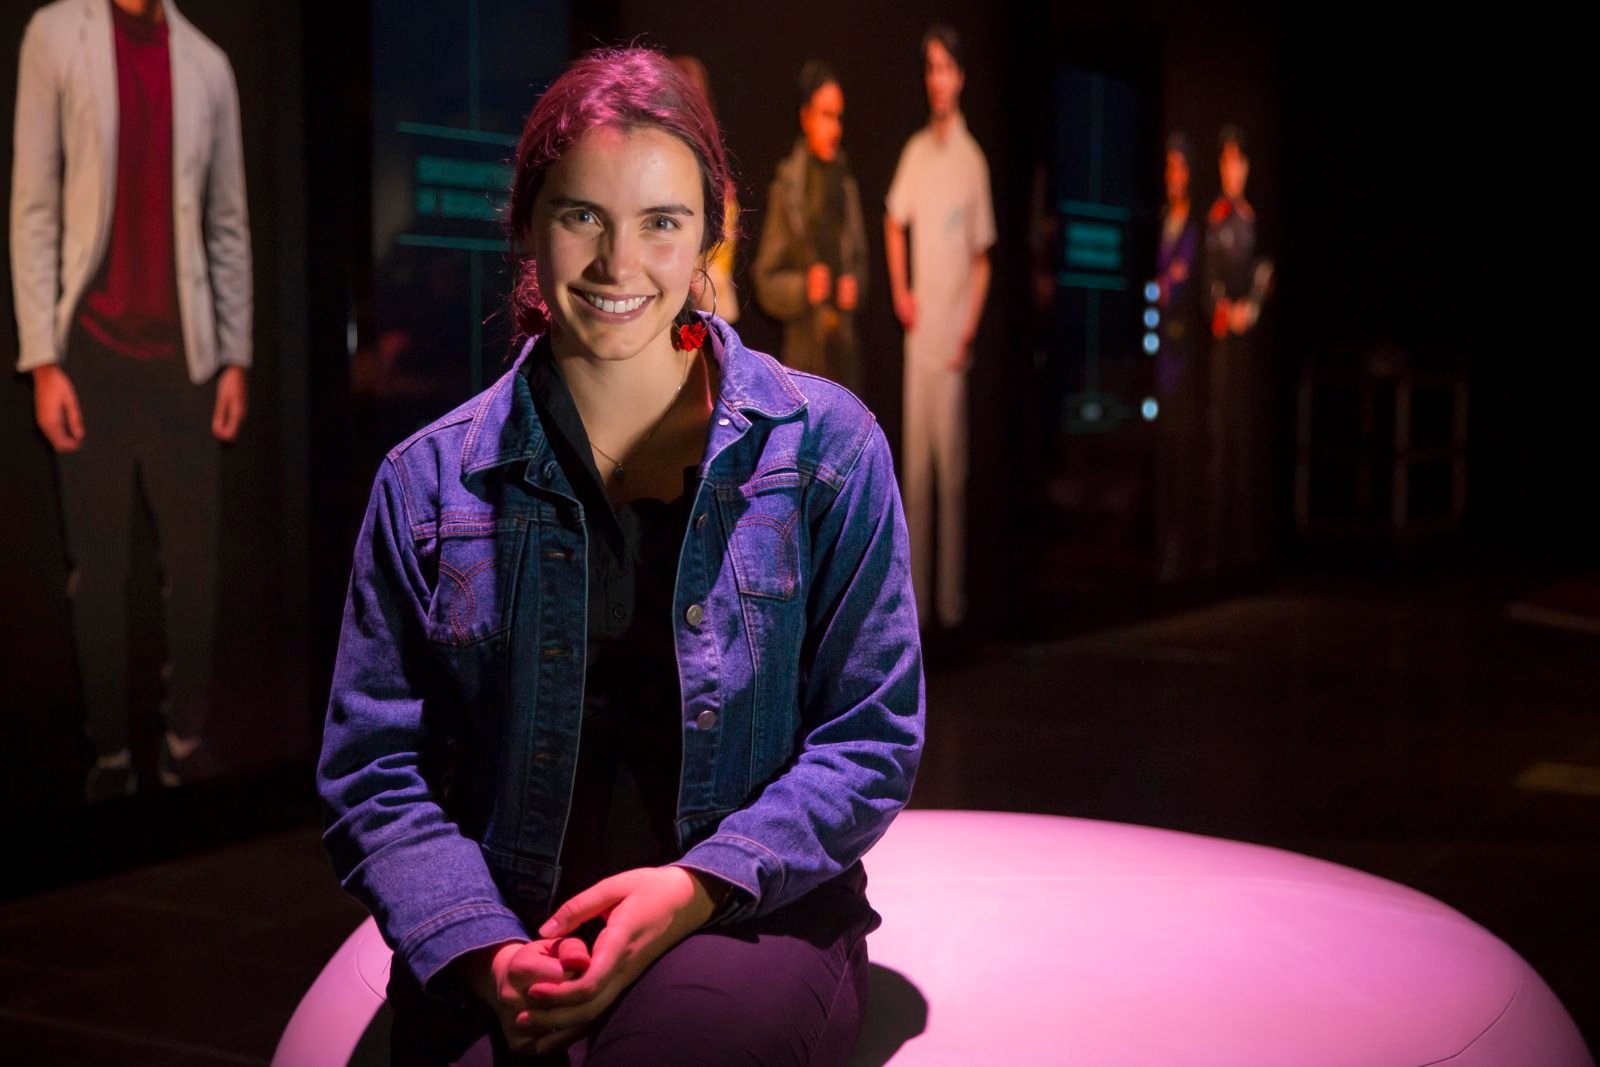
x,y
625,88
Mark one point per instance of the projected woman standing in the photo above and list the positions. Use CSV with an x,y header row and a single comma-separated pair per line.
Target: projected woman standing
x,y
632,630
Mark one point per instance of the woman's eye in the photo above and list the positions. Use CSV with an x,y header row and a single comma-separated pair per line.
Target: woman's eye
x,y
663,223
580,217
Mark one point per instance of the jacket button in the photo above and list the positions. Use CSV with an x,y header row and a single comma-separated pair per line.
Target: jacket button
x,y
695,614
700,521
722,422
706,719
549,469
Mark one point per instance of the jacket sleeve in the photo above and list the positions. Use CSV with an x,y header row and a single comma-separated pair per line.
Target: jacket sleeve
x,y
36,201
861,707
393,845
227,228
780,288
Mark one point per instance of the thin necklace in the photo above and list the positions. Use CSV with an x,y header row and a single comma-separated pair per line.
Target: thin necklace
x,y
618,472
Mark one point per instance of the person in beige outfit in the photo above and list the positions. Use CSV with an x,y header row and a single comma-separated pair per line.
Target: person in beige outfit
x,y
941,194
130,256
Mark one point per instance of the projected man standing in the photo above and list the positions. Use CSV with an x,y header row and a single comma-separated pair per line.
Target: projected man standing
x,y
941,192
130,255
1237,282
813,251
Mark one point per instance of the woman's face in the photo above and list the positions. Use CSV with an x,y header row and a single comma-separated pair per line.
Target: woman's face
x,y
616,236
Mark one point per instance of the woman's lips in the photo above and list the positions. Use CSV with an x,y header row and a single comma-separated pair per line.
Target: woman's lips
x,y
622,308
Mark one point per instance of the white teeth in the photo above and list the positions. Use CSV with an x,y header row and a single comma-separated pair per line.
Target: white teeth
x,y
615,307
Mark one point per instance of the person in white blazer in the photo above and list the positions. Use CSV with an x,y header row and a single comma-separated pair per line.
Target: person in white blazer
x,y
130,255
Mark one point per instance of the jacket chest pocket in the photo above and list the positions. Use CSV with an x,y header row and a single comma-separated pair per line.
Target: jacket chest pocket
x,y
475,597
765,520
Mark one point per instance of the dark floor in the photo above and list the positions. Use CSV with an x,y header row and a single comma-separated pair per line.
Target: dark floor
x,y
1383,724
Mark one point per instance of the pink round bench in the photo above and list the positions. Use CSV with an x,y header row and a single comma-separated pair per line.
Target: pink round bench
x,y
1034,939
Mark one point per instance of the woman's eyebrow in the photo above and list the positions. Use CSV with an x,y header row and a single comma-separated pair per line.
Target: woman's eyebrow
x,y
562,203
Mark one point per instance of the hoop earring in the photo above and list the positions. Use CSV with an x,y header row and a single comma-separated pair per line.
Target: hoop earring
x,y
713,286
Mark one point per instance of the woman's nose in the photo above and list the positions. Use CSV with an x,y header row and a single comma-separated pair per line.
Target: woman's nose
x,y
619,257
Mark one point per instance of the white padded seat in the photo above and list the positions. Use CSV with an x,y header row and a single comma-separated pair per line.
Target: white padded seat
x,y
1033,939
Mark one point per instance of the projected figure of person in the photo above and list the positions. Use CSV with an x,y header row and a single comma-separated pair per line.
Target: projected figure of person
x,y
1236,284
130,256
940,193
1180,472
812,258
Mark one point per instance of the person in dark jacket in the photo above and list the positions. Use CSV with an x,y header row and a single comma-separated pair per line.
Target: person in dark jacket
x,y
811,265
1237,282
629,677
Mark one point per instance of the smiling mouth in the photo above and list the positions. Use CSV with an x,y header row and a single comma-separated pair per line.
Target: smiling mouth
x,y
618,306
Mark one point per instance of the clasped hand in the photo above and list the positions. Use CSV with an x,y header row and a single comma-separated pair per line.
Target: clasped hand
x,y
547,992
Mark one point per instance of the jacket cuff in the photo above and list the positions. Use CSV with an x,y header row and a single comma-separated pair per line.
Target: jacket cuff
x,y
432,947
750,867
32,358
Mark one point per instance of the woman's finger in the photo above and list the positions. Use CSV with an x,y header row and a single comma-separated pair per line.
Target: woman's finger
x,y
572,954
548,996
589,904
528,967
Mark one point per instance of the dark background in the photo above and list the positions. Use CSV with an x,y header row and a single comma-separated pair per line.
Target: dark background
x,y
1414,185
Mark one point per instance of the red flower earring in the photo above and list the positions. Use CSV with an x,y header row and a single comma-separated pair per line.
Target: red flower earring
x,y
688,336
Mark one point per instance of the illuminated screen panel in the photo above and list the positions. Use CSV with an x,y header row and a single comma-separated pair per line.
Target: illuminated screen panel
x,y
1097,340
451,85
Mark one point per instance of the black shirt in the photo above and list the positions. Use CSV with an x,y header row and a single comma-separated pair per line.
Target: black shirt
x,y
630,752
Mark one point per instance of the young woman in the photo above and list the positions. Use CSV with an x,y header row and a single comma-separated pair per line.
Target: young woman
x,y
631,633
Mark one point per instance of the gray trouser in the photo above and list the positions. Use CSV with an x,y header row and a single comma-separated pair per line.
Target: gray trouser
x,y
147,443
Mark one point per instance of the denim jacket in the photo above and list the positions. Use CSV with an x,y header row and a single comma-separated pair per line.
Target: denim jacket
x,y
454,721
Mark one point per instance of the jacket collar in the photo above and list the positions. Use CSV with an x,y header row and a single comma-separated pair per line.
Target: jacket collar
x,y
505,428
752,382
792,167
